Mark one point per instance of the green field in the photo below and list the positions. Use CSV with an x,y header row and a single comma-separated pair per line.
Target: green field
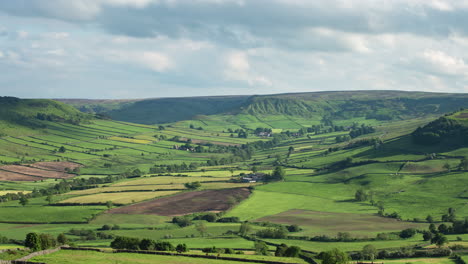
x,y
135,163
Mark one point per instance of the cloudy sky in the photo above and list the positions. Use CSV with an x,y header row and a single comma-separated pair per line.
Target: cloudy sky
x,y
165,48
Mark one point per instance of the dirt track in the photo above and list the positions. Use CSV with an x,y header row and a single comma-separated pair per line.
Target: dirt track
x,y
186,203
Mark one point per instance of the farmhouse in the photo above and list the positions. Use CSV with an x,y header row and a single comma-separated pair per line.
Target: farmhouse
x,y
254,177
264,134
184,147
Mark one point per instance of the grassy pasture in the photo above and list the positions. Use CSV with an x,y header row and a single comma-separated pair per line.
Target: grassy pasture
x,y
87,257
213,230
418,261
130,219
326,223
348,246
266,203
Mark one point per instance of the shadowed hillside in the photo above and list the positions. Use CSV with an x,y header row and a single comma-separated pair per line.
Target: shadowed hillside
x,y
379,105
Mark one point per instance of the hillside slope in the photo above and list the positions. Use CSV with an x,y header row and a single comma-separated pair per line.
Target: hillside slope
x,y
19,116
379,105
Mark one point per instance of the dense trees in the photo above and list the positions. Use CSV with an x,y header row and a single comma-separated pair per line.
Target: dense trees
x,y
278,173
192,185
182,221
441,129
37,242
335,256
369,252
143,244
277,232
284,251
33,241
261,248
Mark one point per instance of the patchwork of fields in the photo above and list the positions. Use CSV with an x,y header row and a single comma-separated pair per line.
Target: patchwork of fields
x,y
133,176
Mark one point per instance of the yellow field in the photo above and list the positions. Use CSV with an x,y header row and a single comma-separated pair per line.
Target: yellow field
x,y
10,246
128,188
167,180
118,198
131,140
13,191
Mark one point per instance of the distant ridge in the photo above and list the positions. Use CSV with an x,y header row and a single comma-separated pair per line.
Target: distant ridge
x,y
381,104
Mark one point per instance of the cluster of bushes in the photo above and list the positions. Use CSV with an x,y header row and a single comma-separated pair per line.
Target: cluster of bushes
x,y
404,253
173,168
145,244
36,242
357,131
284,251
192,185
277,232
85,234
221,250
109,227
186,220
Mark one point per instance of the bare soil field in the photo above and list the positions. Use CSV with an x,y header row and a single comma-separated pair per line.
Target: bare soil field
x,y
12,176
462,116
187,203
36,171
56,166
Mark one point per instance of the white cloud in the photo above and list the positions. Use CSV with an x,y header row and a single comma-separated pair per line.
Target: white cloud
x,y
56,52
443,63
22,34
152,60
238,69
57,35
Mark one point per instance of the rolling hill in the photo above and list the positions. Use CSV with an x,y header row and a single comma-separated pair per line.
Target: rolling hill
x,y
351,178
380,105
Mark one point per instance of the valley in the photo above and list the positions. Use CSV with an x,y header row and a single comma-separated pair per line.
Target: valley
x,y
317,171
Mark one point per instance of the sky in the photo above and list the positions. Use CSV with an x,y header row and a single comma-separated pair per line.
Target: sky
x,y
118,49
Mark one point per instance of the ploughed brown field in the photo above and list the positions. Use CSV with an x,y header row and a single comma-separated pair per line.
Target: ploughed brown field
x,y
37,171
56,165
187,203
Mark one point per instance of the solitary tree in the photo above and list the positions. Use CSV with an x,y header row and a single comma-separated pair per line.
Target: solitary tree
x,y
439,239
261,248
447,167
201,228
290,151
369,252
244,229
254,169
109,204
23,200
361,195
49,199
430,219
463,164
33,241
62,239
